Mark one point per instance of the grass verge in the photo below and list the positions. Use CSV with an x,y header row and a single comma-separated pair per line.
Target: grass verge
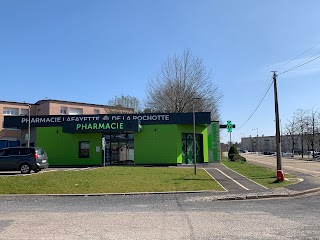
x,y
265,176
109,180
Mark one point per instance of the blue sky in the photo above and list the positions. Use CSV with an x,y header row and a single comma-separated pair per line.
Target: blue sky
x,y
91,51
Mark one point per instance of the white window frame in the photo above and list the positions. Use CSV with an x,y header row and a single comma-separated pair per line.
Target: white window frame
x,y
10,111
75,111
24,112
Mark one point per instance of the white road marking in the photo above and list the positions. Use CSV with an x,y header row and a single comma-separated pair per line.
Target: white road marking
x,y
245,177
233,179
215,179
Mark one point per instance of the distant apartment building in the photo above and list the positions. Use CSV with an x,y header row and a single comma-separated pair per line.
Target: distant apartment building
x,y
289,143
50,107
58,107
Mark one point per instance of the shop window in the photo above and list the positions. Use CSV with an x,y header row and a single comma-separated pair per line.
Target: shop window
x,y
84,149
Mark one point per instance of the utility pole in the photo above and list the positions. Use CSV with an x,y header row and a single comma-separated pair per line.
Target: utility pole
x,y
280,175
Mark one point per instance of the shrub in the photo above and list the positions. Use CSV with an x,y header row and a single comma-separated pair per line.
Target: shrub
x,y
233,151
234,155
239,158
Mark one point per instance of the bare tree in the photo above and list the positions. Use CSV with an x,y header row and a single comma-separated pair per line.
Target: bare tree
x,y
126,101
317,131
312,121
183,83
292,132
300,116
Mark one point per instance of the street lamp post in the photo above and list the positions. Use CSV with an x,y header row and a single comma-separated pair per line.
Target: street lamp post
x,y
313,126
194,138
29,125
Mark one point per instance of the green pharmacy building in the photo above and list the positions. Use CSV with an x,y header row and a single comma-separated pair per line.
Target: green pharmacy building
x,y
121,139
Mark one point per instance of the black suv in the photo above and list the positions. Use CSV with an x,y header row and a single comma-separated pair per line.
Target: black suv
x,y
24,159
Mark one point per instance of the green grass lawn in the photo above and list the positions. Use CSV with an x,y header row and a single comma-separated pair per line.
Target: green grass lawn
x,y
262,175
109,180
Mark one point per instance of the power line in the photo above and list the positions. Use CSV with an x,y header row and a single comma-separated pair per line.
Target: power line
x,y
298,56
297,66
268,89
254,111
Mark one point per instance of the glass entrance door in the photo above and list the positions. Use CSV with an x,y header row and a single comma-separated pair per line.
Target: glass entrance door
x,y
122,152
119,149
114,152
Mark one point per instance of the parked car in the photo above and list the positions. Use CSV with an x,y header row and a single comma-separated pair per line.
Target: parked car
x,y
23,159
287,154
243,151
267,153
310,153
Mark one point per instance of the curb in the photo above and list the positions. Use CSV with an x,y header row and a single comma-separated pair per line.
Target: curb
x,y
266,196
104,194
252,196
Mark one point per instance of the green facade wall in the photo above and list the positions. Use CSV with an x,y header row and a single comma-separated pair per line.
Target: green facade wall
x,y
155,144
162,144
214,142
63,148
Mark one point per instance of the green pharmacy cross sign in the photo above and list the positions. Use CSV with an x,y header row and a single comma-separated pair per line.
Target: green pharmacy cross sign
x,y
229,126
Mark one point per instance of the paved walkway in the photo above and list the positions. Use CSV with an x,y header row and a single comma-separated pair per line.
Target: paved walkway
x,y
239,187
231,180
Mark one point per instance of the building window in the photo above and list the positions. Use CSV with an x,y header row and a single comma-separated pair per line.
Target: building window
x,y
10,111
96,111
63,111
76,111
24,112
84,149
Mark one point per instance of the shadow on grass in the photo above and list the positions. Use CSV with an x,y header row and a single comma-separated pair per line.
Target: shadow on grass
x,y
277,181
10,173
253,178
192,179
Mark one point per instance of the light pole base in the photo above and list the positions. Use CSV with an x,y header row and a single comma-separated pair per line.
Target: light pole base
x,y
280,175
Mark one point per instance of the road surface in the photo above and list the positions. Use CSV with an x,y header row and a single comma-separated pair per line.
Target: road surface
x,y
158,216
